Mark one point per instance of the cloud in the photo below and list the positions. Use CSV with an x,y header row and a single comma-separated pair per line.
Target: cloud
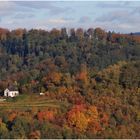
x,y
35,23
6,7
122,16
108,26
114,16
114,4
136,11
28,9
84,19
58,21
35,4
9,8
24,15
47,5
121,21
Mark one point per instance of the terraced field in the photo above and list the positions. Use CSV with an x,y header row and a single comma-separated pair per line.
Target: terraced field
x,y
27,102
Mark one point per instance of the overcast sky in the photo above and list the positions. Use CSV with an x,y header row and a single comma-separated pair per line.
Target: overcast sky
x,y
115,16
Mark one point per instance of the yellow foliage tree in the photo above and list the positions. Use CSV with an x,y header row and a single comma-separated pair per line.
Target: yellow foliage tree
x,y
78,120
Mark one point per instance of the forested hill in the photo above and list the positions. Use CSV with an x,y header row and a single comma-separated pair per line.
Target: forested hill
x,y
136,33
90,78
31,55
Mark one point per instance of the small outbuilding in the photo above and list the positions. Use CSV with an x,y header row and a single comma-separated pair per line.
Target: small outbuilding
x,y
41,93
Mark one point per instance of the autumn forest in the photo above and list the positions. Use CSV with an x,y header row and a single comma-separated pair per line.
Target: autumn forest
x,y
90,80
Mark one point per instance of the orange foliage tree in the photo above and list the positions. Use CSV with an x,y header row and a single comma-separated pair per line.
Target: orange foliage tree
x,y
83,75
53,77
100,34
35,134
62,90
104,119
45,116
12,116
3,33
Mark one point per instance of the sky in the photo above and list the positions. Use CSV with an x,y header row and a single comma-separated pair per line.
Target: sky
x,y
118,16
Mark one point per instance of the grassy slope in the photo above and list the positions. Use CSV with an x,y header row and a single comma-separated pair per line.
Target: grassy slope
x,y
27,101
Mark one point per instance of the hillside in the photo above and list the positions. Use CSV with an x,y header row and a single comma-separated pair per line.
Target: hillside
x,y
29,56
90,78
136,33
